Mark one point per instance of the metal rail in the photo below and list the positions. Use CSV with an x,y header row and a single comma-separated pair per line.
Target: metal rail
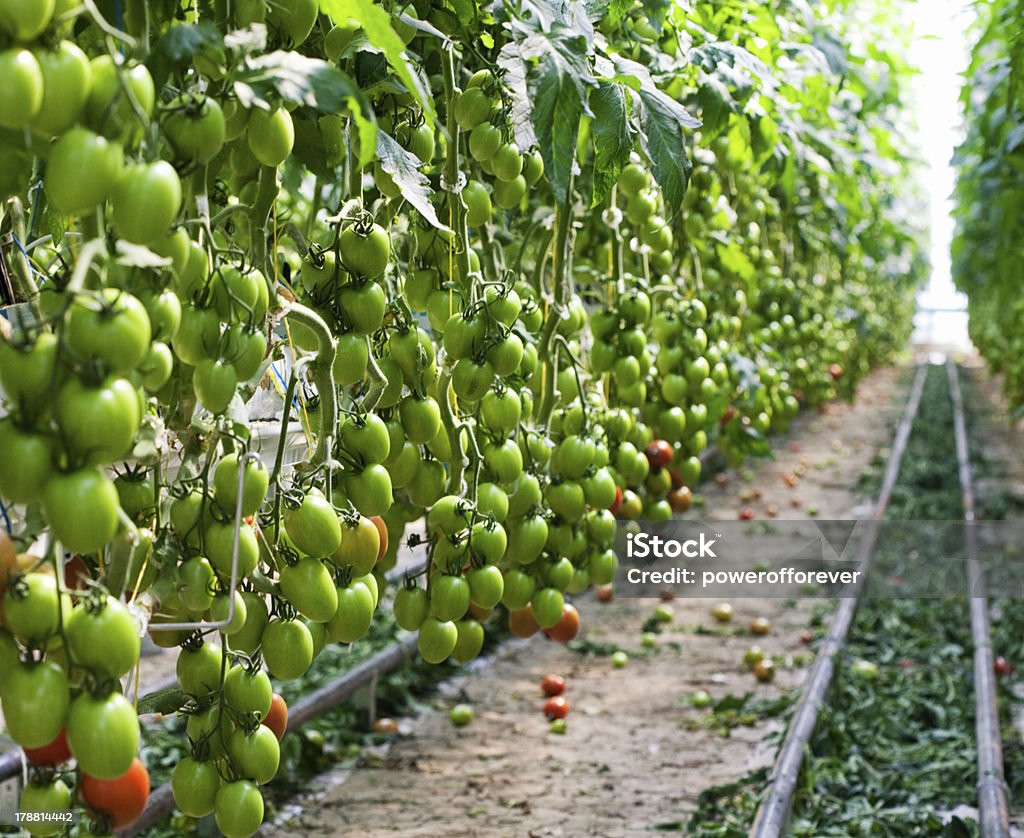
x,y
993,806
772,818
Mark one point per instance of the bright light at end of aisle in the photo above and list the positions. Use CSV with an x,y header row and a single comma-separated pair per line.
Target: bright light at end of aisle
x,y
939,51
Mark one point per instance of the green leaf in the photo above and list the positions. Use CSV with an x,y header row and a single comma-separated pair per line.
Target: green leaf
x,y
662,124
716,104
655,11
735,261
311,82
403,166
178,46
423,26
166,701
732,702
137,256
719,55
310,149
558,81
511,62
377,24
295,78
664,143
612,139
547,16
617,10
251,39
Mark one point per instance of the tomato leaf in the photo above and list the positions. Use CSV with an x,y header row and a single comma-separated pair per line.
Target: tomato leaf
x,y
137,256
178,46
612,139
376,23
308,81
608,12
735,260
423,26
295,78
655,11
662,124
57,223
719,56
403,166
251,39
512,63
716,104
558,81
166,701
665,145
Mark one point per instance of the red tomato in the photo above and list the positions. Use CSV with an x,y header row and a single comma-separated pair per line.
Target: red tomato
x,y
680,499
522,622
746,514
556,707
382,528
121,799
76,574
553,685
56,753
1002,667
277,718
617,503
567,627
659,453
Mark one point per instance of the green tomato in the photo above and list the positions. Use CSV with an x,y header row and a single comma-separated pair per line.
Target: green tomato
x,y
109,110
145,200
67,77
81,170
64,498
461,715
103,734
26,20
271,135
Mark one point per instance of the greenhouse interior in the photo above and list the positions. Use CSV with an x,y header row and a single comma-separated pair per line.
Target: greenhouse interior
x,y
532,419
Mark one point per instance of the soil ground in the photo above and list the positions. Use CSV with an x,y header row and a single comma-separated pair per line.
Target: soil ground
x,y
635,756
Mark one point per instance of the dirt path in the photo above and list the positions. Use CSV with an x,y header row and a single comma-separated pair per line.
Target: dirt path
x,y
636,755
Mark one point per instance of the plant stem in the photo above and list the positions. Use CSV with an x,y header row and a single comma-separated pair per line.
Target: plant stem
x,y
323,376
562,293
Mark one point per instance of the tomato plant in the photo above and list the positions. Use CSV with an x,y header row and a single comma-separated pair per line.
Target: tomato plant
x,y
513,300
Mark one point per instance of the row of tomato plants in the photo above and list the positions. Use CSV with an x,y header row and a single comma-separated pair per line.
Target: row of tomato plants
x,y
514,268
988,207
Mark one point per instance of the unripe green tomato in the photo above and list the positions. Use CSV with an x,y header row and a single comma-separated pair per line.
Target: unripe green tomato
x,y
21,94
508,194
484,141
478,203
533,167
196,128
109,109
81,171
271,135
67,77
507,162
